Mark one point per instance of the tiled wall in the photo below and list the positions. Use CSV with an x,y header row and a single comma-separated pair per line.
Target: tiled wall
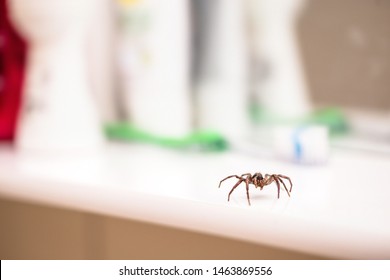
x,y
346,51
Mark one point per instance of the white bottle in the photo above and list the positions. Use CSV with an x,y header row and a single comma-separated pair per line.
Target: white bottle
x,y
221,90
153,41
282,91
58,113
101,58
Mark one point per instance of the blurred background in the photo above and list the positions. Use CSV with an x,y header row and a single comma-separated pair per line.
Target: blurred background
x,y
291,79
147,71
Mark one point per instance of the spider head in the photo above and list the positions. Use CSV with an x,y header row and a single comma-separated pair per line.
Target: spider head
x,y
256,178
259,177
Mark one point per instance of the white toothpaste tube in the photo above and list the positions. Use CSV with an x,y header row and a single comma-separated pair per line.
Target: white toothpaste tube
x,y
302,144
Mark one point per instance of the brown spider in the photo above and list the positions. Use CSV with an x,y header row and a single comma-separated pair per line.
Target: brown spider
x,y
258,181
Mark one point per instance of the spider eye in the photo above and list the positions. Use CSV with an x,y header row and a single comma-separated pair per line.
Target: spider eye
x,y
260,177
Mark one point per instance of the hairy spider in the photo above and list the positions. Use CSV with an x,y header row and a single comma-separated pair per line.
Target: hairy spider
x,y
258,181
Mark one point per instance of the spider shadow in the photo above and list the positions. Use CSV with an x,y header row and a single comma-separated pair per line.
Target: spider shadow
x,y
261,197
257,197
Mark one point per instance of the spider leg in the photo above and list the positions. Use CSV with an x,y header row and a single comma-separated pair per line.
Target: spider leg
x,y
231,176
287,178
277,183
235,186
247,190
284,185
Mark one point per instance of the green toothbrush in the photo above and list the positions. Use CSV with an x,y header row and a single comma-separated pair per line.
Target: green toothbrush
x,y
199,140
331,117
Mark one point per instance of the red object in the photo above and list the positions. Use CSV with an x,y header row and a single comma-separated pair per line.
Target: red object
x,y
12,65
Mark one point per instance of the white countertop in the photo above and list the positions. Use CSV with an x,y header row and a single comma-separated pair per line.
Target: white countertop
x,y
337,210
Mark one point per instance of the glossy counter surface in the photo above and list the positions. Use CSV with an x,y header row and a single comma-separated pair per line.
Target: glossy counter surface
x,y
337,210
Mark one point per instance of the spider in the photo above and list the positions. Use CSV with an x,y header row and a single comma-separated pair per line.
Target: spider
x,y
258,181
